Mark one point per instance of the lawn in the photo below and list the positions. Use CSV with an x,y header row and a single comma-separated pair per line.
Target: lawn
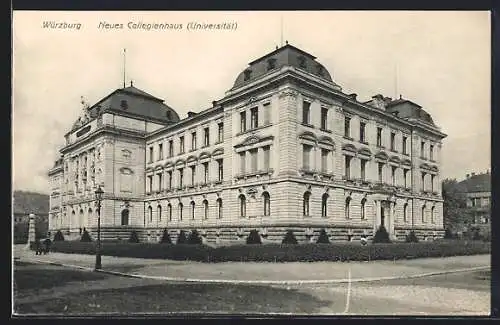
x,y
66,292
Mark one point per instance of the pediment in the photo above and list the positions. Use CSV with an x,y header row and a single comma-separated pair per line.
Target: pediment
x,y
349,147
327,140
365,152
395,159
169,165
204,155
308,136
218,151
191,159
253,139
406,162
381,155
179,162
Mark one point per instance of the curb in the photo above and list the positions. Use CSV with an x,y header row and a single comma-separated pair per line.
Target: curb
x,y
268,282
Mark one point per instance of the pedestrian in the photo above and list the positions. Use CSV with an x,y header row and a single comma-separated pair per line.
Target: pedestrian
x,y
38,247
364,241
47,242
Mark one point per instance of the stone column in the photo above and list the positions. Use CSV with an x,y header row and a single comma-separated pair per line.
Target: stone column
x,y
391,220
377,214
31,230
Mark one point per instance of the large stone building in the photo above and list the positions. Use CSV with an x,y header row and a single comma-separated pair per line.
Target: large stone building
x,y
284,149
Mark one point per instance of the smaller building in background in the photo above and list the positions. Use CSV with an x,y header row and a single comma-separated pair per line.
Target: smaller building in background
x,y
477,189
24,203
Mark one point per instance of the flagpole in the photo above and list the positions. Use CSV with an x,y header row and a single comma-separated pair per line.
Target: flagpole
x,y
124,65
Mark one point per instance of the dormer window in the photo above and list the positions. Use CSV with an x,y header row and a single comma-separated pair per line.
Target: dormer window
x,y
98,109
271,64
169,115
124,104
302,62
319,70
247,75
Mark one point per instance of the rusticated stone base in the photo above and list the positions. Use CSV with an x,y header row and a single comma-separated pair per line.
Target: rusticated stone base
x,y
270,234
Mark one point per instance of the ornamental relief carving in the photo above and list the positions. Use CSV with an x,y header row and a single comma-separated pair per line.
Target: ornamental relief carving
x,y
289,93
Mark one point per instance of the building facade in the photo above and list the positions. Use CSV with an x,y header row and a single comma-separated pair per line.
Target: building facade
x,y
477,190
285,149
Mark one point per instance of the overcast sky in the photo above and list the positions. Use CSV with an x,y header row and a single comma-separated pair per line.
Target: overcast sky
x,y
442,60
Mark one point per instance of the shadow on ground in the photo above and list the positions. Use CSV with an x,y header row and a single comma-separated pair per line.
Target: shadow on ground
x,y
155,298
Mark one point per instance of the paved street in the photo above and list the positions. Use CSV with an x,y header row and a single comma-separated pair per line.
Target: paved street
x,y
42,289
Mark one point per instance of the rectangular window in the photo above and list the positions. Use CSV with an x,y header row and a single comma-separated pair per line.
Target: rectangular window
x,y
431,152
324,118
181,144
363,169
169,179
306,156
160,182
220,168
404,145
221,132
380,172
393,175
193,141
206,132
393,141
160,151
347,167
347,127
267,151
306,112
362,128
171,148
193,175
181,177
423,182
267,113
379,137
205,172
242,162
324,160
150,184
253,160
150,154
405,176
422,149
243,121
254,117
432,183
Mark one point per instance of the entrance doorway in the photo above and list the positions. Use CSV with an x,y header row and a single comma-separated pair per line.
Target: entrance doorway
x,y
382,216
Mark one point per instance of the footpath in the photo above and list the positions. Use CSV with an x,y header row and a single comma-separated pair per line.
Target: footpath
x,y
263,273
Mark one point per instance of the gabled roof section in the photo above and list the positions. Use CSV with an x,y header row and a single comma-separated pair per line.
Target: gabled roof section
x,y
136,91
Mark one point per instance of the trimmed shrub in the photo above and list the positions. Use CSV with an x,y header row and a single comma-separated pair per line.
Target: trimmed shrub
x,y
86,237
134,238
165,238
253,238
278,252
195,238
411,237
289,238
182,239
323,237
381,236
448,234
59,236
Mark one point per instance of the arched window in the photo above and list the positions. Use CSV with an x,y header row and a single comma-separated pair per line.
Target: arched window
x,y
150,213
348,208
363,208
423,213
169,211
192,209
180,211
432,214
243,206
305,205
124,220
324,206
81,222
219,208
405,212
205,209
267,203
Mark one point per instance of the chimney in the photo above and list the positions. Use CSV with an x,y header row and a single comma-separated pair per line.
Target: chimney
x,y
191,114
467,176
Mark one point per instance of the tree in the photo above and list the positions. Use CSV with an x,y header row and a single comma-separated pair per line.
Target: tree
x,y
381,236
181,239
165,239
254,237
134,238
59,236
86,237
411,237
323,237
289,238
455,211
195,238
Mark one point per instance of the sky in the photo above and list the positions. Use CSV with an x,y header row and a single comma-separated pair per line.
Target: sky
x,y
440,60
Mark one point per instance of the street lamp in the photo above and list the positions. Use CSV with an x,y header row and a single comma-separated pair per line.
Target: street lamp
x,y
98,197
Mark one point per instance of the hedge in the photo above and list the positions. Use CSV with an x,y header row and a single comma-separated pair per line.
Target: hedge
x,y
277,252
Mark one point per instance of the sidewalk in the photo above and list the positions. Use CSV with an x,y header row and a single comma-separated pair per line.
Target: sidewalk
x,y
254,271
